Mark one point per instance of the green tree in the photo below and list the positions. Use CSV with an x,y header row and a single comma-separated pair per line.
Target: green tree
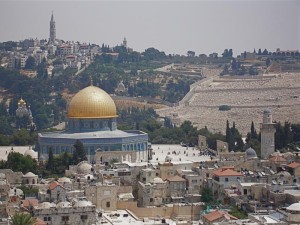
x,y
22,219
50,162
42,69
207,195
79,153
265,52
268,62
253,134
259,52
20,163
30,63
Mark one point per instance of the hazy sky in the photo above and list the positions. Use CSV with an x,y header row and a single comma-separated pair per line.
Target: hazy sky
x,y
170,26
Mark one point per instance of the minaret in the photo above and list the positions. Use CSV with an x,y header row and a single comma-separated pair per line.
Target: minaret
x,y
52,37
267,130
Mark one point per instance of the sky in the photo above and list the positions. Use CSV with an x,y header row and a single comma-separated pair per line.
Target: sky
x,y
174,27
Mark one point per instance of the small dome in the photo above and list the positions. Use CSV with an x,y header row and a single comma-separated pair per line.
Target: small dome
x,y
250,152
31,153
294,207
157,180
64,180
29,175
63,205
92,102
82,203
16,192
84,167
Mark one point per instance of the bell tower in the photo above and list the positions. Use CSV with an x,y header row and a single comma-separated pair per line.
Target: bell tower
x,y
52,36
267,130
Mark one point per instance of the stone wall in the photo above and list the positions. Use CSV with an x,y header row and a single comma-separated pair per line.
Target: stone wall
x,y
172,211
107,156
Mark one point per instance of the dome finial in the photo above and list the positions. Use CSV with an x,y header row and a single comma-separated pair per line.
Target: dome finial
x,y
91,80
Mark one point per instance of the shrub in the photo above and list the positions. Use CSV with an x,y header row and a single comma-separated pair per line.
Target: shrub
x,y
224,107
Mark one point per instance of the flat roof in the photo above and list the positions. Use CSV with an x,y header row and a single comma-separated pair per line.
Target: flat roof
x,y
118,218
250,184
177,153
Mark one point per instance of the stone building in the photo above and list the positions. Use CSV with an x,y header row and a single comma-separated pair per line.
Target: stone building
x,y
225,177
55,193
147,175
176,189
76,213
294,213
152,193
103,195
267,130
202,142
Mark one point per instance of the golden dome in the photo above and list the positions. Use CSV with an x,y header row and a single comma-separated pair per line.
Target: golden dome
x,y
92,102
21,102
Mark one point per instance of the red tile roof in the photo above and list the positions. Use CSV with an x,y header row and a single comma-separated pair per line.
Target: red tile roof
x,y
54,185
215,215
225,172
294,165
30,202
277,159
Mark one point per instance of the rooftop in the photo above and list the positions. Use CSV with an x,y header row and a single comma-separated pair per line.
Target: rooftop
x,y
177,153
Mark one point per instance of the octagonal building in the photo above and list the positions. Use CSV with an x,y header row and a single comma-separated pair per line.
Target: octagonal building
x,y
92,120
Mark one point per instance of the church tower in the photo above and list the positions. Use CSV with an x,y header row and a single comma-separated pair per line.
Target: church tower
x,y
267,130
52,37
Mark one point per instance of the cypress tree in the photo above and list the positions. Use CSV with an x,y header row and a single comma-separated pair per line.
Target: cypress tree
x,y
50,162
79,153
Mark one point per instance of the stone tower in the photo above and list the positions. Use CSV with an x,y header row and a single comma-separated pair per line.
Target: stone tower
x,y
52,37
267,130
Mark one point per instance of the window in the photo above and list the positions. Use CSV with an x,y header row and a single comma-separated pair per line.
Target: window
x,y
226,179
65,218
83,217
151,199
107,204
